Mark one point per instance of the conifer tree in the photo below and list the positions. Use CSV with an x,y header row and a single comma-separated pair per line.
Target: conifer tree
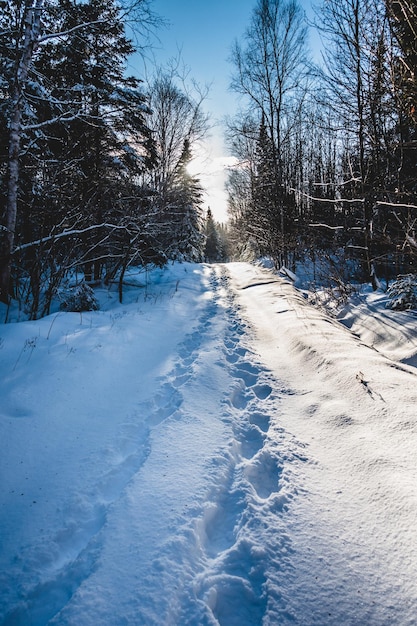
x,y
77,125
265,219
178,124
183,212
270,72
105,145
212,249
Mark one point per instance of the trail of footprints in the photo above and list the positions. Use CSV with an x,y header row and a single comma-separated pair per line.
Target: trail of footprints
x,y
236,572
249,392
165,404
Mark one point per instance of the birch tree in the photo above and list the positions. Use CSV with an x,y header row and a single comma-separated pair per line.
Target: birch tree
x,y
20,47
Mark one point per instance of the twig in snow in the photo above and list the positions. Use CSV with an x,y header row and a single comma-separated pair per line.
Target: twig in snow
x,y
368,389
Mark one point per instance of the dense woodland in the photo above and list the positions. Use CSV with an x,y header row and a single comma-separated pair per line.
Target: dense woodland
x,y
93,162
328,152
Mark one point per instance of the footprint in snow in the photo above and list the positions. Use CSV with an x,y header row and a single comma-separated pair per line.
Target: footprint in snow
x,y
262,391
181,380
231,343
247,372
236,327
263,473
232,357
249,367
261,420
166,402
239,589
251,441
238,397
219,523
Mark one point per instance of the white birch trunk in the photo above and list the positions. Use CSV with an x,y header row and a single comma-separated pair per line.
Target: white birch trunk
x,y
31,37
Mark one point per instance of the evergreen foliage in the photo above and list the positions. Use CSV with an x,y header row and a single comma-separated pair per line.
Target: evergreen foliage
x,y
80,298
183,212
78,151
213,249
270,70
94,168
403,293
178,123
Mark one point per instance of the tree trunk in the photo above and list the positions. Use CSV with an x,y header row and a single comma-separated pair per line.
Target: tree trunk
x,y
31,36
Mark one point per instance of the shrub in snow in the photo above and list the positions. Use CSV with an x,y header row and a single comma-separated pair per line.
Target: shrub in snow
x,y
81,298
403,293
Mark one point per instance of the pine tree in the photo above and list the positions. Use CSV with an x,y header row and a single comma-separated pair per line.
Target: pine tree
x,y
212,249
265,216
78,128
183,212
106,145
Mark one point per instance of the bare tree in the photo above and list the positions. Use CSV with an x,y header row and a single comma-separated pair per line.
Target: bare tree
x,y
242,141
177,115
356,75
178,123
270,70
403,20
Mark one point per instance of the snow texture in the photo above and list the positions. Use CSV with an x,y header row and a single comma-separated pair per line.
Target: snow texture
x,y
215,451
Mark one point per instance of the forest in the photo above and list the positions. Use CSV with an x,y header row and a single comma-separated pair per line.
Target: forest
x,y
329,153
93,161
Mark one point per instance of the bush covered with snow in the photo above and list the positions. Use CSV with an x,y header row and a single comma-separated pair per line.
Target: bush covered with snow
x,y
403,293
80,298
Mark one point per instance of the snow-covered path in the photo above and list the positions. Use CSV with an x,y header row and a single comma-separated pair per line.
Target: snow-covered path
x,y
220,453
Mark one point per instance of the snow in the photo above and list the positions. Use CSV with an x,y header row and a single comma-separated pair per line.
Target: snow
x,y
215,450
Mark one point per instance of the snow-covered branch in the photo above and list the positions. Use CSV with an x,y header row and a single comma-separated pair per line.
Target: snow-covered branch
x,y
64,33
338,183
320,225
411,241
71,117
395,205
328,200
69,233
352,247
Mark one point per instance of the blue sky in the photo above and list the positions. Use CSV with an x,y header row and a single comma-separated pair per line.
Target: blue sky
x,y
204,31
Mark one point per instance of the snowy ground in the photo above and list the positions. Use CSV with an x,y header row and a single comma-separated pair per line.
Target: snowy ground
x,y
213,451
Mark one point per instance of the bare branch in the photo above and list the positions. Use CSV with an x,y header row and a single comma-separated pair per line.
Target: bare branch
x,y
395,205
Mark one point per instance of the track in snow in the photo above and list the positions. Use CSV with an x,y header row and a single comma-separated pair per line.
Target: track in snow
x,y
238,530
231,531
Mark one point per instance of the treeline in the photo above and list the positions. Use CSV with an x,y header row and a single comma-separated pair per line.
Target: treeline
x,y
328,150
93,162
